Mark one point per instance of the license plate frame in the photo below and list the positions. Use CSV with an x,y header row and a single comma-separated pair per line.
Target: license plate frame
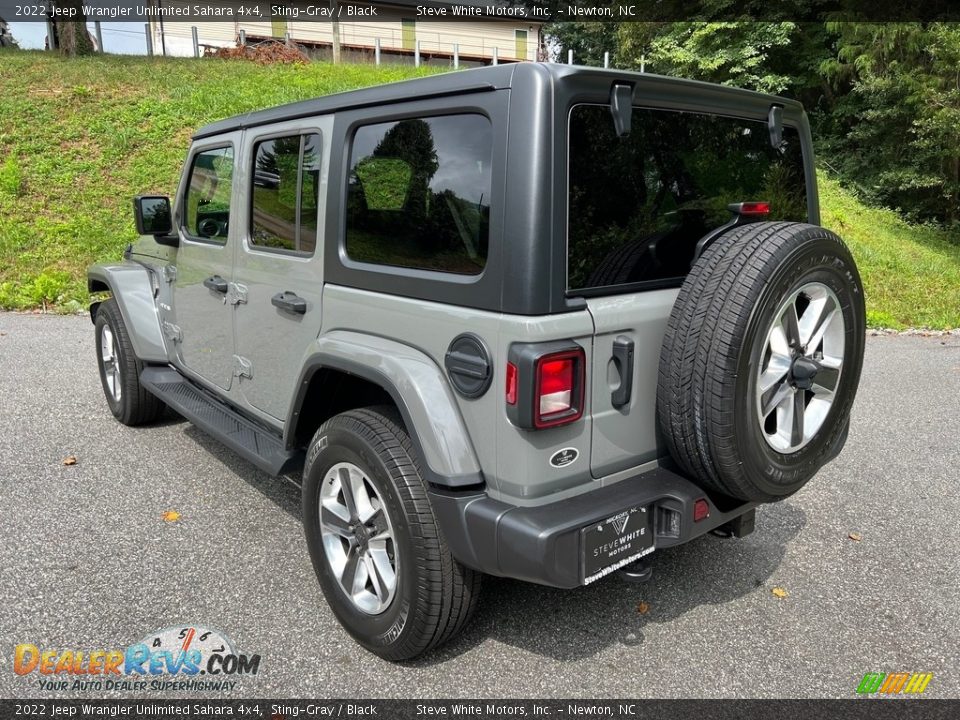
x,y
615,541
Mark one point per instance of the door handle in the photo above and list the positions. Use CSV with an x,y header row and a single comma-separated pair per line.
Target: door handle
x,y
290,302
216,283
623,359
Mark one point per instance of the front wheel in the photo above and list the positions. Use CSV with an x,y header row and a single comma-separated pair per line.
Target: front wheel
x,y
382,563
120,369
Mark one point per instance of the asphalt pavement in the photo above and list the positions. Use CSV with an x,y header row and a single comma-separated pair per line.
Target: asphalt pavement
x,y
88,562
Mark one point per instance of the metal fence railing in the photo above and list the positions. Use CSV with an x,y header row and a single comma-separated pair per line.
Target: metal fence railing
x,y
357,44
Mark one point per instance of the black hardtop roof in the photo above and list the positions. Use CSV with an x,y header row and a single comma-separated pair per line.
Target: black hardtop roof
x,y
482,79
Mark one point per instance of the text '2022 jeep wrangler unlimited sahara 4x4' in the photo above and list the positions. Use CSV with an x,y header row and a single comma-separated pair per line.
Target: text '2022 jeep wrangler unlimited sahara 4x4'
x,y
529,320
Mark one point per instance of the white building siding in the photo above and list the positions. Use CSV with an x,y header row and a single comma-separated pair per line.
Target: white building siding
x,y
476,39
177,37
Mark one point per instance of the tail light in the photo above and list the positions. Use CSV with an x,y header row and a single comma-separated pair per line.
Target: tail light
x,y
750,209
545,384
511,384
559,388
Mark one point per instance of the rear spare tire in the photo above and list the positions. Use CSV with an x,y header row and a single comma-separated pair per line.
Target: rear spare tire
x,y
761,359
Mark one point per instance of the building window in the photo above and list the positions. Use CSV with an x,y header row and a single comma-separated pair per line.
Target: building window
x,y
408,33
520,37
278,22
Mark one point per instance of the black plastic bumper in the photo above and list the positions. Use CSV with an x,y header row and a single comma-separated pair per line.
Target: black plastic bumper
x,y
543,544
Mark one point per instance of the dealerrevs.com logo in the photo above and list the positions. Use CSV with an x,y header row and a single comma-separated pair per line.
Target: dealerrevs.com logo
x,y
186,658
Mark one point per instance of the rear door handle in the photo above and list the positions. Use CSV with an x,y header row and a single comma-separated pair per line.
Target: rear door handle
x,y
623,359
290,302
216,283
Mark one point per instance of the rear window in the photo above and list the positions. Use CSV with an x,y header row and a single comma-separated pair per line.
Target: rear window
x,y
639,204
419,193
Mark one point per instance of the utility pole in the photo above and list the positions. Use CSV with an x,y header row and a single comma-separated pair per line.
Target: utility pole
x,y
336,32
51,28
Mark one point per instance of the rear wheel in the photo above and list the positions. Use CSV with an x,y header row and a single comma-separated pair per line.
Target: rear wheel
x,y
381,560
761,360
120,369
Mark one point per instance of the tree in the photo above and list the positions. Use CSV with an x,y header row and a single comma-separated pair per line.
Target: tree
x,y
884,98
729,53
6,39
897,121
588,40
412,142
72,36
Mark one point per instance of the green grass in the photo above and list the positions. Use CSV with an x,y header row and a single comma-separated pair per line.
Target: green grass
x,y
79,138
911,273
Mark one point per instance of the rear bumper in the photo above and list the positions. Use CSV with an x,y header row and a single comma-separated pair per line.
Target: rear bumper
x,y
543,544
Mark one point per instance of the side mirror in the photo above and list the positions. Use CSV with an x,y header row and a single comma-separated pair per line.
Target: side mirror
x,y
153,217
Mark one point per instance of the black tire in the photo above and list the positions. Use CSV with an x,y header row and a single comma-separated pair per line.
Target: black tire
x,y
435,595
134,406
713,350
620,266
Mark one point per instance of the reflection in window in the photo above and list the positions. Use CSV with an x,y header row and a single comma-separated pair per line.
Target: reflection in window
x,y
208,194
638,205
285,193
419,193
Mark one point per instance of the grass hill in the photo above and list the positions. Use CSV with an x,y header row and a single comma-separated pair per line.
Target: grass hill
x,y
79,138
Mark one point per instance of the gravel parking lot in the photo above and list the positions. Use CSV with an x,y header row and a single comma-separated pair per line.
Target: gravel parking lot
x,y
88,562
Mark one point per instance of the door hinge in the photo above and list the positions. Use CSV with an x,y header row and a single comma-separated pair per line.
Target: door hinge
x,y
172,331
236,293
169,273
242,367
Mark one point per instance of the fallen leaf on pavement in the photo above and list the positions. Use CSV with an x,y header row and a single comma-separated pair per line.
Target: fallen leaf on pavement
x,y
643,608
70,460
171,516
855,536
779,592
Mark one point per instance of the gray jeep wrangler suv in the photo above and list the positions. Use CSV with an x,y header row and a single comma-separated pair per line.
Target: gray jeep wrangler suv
x,y
531,320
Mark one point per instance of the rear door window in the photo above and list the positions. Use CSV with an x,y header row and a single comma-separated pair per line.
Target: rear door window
x,y
285,189
639,204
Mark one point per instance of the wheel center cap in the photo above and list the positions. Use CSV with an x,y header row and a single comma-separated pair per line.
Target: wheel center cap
x,y
362,535
802,372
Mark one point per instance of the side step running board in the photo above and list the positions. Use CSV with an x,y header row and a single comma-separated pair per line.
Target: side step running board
x,y
252,442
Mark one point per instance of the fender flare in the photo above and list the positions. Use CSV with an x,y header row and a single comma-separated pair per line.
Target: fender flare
x,y
130,286
418,388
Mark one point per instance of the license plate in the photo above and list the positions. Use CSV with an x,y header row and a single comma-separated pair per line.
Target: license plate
x,y
615,542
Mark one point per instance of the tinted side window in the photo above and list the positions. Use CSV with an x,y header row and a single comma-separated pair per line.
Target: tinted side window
x,y
285,186
639,204
418,193
207,212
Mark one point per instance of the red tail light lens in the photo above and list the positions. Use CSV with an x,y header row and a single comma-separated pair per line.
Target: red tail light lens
x,y
558,395
556,386
701,510
755,208
511,384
